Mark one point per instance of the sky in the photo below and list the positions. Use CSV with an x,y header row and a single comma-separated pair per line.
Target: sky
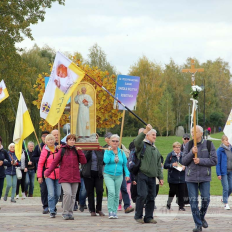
x,y
126,30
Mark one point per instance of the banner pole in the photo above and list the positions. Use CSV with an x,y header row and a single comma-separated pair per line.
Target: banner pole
x,y
122,125
59,131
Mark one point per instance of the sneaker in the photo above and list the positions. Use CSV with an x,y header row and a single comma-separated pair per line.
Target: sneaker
x,y
182,209
5,198
204,223
111,215
17,197
168,206
71,217
45,210
227,207
82,208
53,215
115,215
23,196
119,208
140,220
64,216
13,200
197,229
129,209
152,221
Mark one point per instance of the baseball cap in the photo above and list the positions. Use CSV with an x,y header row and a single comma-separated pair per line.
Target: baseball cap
x,y
186,136
108,135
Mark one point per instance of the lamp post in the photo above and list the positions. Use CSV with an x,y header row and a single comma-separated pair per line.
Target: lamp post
x,y
189,118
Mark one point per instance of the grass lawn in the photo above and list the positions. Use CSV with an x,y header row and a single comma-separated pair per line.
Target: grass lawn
x,y
164,144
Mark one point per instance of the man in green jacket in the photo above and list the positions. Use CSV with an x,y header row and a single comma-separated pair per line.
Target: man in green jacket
x,y
150,168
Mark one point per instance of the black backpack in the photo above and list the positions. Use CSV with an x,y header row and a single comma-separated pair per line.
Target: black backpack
x,y
63,152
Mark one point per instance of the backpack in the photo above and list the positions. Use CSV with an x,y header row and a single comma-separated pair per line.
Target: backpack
x,y
63,151
133,163
190,145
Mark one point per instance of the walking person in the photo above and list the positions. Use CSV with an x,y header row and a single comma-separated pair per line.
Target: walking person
x,y
69,158
10,171
4,161
150,168
198,175
176,178
115,163
31,169
35,160
23,169
224,169
48,154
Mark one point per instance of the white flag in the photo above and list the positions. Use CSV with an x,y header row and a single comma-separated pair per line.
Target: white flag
x,y
228,128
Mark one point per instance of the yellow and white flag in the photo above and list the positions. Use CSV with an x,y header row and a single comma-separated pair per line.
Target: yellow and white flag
x,y
64,78
23,126
228,128
3,91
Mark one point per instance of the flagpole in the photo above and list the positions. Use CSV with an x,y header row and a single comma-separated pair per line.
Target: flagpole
x,y
37,140
123,118
117,99
59,131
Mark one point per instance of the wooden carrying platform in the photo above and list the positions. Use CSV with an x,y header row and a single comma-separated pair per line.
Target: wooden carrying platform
x,y
89,146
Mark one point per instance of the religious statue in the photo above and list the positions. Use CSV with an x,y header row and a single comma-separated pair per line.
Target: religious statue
x,y
83,123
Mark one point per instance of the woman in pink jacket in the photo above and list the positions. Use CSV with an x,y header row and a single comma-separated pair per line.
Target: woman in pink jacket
x,y
47,156
69,158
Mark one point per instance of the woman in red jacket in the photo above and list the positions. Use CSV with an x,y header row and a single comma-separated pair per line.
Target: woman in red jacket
x,y
69,158
47,156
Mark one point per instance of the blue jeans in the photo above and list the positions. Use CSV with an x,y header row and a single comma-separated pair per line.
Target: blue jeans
x,y
146,191
125,195
54,189
30,178
82,194
11,182
204,187
227,186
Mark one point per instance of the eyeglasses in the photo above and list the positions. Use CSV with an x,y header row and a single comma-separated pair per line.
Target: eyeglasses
x,y
115,141
186,138
177,147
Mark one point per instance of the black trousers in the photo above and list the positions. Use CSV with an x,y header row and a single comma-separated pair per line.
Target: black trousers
x,y
90,184
21,182
173,189
44,194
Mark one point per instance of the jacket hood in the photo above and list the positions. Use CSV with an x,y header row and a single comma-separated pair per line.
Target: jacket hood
x,y
225,147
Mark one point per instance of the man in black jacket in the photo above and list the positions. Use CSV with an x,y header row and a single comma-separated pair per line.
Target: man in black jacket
x,y
35,160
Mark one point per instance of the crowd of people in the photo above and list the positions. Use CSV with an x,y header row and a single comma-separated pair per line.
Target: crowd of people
x,y
68,174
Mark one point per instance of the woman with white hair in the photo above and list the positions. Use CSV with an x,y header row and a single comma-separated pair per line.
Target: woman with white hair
x,y
115,162
10,171
47,156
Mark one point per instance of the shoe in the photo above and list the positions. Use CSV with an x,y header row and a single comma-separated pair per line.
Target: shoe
x,y
100,213
115,215
168,206
111,215
23,196
52,215
65,217
13,200
82,208
26,193
45,211
140,220
71,217
75,208
227,207
151,221
182,209
204,223
197,229
30,195
129,209
93,214
17,197
5,197
119,207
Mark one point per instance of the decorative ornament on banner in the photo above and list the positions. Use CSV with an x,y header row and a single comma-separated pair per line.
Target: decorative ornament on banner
x,y
3,91
64,78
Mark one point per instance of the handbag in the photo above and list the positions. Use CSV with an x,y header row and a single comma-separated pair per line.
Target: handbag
x,y
18,173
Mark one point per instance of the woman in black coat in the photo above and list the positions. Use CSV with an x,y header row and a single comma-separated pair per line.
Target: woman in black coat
x,y
92,173
176,178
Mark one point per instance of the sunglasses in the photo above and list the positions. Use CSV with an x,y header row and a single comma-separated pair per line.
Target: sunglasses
x,y
115,141
186,138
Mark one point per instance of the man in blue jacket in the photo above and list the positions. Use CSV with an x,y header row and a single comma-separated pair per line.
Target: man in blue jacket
x,y
198,175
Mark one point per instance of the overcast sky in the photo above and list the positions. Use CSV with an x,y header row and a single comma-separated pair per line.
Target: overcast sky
x,y
129,29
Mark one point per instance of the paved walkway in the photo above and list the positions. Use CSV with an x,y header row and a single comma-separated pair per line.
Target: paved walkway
x,y
26,215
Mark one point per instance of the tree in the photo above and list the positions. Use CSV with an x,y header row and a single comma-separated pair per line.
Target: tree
x,y
97,58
